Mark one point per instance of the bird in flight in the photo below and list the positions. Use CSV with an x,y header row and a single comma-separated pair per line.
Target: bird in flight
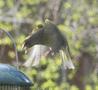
x,y
48,39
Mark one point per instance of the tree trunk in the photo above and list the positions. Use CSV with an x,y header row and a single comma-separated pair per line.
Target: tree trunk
x,y
83,71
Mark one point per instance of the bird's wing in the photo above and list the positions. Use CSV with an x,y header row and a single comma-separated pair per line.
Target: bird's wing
x,y
35,55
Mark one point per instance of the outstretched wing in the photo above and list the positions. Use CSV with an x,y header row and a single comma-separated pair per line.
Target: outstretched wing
x,y
35,55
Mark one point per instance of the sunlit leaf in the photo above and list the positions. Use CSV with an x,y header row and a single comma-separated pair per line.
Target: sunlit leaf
x,y
74,88
67,5
1,3
88,87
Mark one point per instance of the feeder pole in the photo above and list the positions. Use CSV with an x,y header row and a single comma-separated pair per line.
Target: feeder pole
x,y
16,53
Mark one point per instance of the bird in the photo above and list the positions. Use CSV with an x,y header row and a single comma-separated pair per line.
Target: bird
x,y
49,35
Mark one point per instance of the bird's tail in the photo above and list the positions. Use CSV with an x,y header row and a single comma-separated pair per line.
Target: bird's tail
x,y
66,63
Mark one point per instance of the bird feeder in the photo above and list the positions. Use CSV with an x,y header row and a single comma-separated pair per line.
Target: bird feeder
x,y
10,77
13,79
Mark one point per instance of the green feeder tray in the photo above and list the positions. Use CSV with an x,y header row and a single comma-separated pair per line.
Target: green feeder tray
x,y
11,78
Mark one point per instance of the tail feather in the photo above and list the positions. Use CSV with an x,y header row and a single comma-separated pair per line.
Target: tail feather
x,y
66,63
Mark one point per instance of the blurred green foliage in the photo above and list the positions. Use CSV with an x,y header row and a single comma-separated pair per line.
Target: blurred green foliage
x,y
78,17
